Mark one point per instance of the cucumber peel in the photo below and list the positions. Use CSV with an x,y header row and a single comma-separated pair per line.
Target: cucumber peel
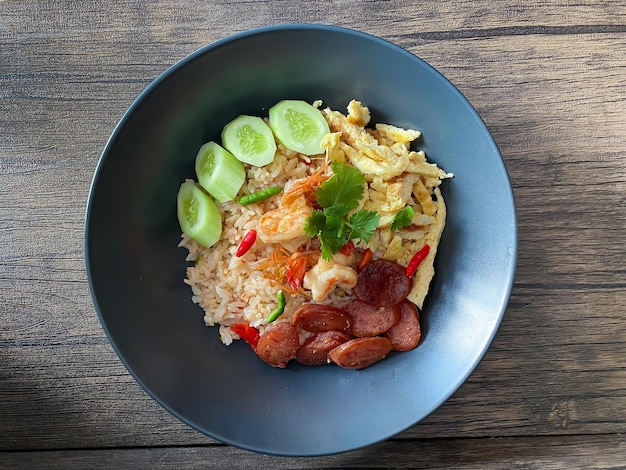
x,y
198,215
219,172
298,126
250,140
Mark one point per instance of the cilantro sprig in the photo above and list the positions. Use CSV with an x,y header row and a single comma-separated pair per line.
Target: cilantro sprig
x,y
403,218
337,196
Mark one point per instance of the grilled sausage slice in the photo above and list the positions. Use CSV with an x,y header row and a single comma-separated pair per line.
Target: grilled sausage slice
x,y
369,320
360,352
317,318
382,283
278,344
314,351
407,333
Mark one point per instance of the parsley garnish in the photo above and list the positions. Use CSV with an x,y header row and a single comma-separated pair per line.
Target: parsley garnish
x,y
362,224
344,187
337,196
403,218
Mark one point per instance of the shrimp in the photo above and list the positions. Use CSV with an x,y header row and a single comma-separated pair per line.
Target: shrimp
x,y
285,224
306,186
323,278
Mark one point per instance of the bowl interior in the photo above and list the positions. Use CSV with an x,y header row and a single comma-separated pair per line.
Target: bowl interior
x,y
135,269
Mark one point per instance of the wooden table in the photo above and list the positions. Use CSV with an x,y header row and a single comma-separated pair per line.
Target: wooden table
x,y
548,78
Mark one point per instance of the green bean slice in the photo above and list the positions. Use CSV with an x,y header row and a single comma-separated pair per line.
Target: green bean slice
x,y
259,196
280,308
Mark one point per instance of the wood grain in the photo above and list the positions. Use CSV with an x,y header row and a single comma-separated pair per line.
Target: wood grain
x,y
548,78
580,452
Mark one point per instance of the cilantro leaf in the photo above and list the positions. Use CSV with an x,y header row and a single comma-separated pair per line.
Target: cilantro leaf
x,y
339,210
331,242
315,224
363,223
344,187
403,218
335,220
335,233
337,196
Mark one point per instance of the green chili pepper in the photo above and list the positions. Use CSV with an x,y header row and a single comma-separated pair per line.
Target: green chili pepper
x,y
280,308
259,196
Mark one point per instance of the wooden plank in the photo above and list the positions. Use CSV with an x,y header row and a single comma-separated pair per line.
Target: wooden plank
x,y
560,452
549,80
167,22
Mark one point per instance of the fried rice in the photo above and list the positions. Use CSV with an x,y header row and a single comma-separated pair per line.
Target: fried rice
x,y
233,289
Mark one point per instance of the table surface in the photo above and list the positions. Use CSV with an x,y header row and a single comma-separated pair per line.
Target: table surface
x,y
549,80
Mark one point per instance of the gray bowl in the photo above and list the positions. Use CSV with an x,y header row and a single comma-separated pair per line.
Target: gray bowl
x,y
136,271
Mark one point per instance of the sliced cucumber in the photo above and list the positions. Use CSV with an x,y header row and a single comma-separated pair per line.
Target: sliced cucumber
x,y
298,126
198,215
250,140
219,172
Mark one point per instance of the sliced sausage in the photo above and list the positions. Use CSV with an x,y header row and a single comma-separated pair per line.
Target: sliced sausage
x,y
314,351
278,344
407,333
369,320
317,317
382,283
360,352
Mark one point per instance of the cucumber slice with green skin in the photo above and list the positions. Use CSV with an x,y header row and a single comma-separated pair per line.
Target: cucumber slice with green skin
x,y
299,126
219,172
250,140
198,215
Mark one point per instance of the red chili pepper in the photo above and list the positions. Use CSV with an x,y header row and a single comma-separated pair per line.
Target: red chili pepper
x,y
367,256
416,260
248,333
247,242
347,248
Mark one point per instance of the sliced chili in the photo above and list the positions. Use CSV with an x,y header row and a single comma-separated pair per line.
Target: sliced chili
x,y
416,260
347,248
248,333
367,256
247,242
